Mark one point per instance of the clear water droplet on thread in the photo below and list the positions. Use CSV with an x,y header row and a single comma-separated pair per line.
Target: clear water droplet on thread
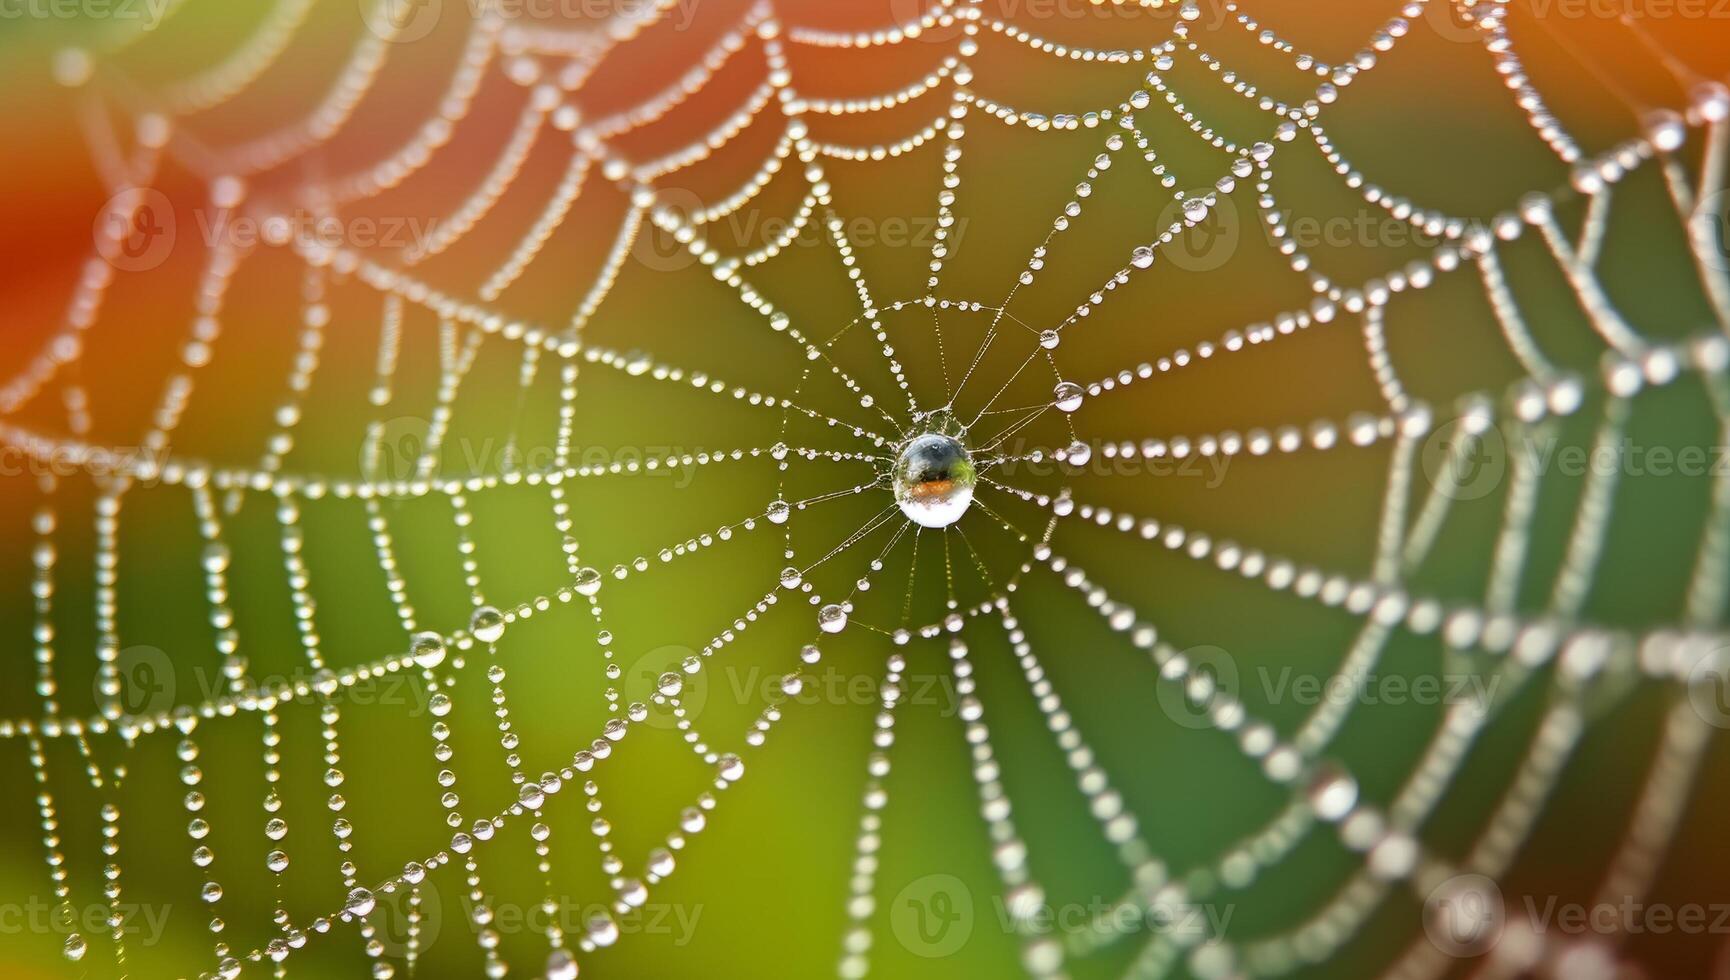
x,y
832,618
427,649
1067,396
487,624
934,480
360,903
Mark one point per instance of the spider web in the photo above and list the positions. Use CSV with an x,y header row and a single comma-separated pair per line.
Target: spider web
x,y
838,421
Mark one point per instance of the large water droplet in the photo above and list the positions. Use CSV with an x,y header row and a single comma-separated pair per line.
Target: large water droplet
x,y
360,903
730,767
1067,396
832,618
487,624
1332,793
427,649
934,482
588,580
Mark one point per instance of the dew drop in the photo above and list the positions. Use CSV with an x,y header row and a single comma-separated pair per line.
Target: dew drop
x,y
1666,130
934,481
588,580
777,512
670,683
1332,793
730,767
427,649
360,903
487,624
832,618
1067,396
